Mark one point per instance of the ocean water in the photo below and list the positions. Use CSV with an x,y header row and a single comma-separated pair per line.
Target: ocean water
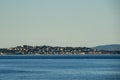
x,y
59,69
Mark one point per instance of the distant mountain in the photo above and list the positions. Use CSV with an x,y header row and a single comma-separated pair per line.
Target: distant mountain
x,y
112,47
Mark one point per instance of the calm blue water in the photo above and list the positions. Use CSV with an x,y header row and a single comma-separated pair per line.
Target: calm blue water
x,y
60,69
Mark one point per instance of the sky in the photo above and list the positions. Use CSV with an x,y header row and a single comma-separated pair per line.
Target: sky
x,y
59,22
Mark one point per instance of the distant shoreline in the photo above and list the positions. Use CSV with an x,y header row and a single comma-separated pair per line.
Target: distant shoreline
x,y
86,56
36,50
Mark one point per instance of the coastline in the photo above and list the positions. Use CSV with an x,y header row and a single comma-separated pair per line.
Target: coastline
x,y
36,50
80,56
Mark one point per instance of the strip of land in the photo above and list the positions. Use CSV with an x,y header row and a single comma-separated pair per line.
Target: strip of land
x,y
26,49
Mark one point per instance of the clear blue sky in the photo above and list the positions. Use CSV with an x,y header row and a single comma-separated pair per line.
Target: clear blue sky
x,y
59,22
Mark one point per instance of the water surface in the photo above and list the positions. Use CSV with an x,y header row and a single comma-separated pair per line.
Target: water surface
x,y
60,69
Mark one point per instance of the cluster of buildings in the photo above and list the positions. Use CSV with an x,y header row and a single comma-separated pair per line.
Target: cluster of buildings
x,y
25,49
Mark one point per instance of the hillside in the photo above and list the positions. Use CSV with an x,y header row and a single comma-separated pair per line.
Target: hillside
x,y
112,47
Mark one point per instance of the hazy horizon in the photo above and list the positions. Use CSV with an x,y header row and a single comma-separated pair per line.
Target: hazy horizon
x,y
74,23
